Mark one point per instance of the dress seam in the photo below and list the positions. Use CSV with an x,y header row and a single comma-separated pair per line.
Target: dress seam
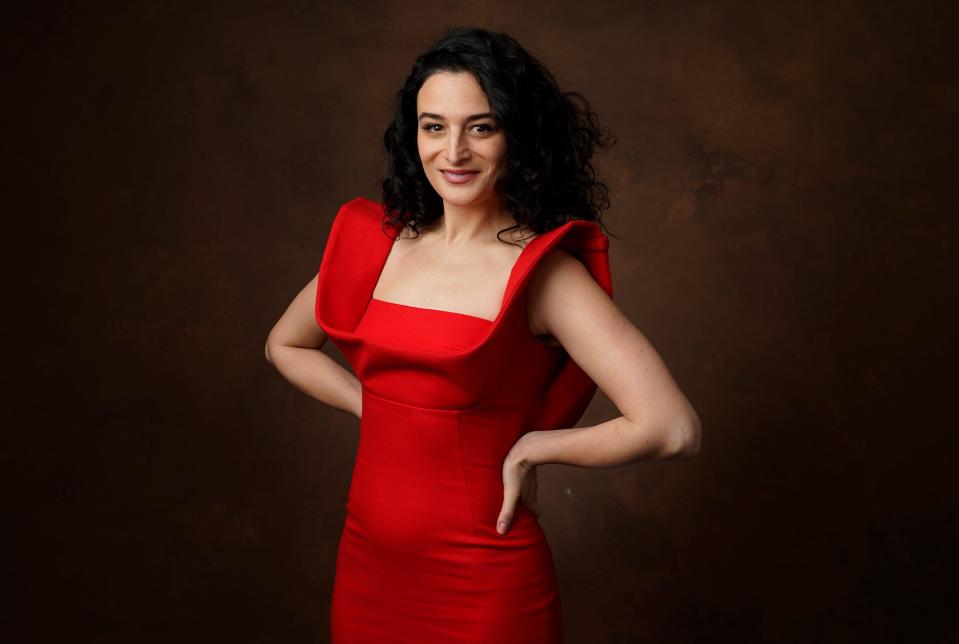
x,y
480,406
466,484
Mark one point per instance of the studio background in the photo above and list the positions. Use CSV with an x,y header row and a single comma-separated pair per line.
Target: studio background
x,y
783,196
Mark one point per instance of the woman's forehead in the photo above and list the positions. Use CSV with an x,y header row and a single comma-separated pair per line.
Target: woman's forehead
x,y
452,95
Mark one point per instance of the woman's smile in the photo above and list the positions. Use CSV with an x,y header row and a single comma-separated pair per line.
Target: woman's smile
x,y
459,176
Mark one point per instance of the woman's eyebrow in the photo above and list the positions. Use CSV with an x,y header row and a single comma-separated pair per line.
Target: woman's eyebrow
x,y
472,117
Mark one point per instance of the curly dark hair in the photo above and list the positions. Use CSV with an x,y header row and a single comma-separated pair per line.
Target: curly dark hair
x,y
548,177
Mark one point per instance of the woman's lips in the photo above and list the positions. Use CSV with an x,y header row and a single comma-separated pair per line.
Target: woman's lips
x,y
459,176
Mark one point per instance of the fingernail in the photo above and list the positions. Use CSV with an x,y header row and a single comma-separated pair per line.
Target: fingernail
x,y
501,527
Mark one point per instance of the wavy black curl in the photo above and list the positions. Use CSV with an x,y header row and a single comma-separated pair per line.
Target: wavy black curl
x,y
548,176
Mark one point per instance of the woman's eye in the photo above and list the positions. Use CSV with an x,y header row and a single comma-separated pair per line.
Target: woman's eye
x,y
488,128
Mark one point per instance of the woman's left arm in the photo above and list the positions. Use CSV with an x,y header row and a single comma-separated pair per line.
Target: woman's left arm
x,y
657,420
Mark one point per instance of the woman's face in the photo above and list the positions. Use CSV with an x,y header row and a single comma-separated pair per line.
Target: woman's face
x,y
461,145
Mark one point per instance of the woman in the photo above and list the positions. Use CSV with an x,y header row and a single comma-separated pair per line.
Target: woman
x,y
474,356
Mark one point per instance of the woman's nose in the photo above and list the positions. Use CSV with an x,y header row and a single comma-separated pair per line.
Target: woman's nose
x,y
457,147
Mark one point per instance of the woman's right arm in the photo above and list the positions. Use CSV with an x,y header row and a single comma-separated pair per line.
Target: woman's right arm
x,y
294,346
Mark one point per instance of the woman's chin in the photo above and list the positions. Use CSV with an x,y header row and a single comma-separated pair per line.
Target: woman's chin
x,y
464,196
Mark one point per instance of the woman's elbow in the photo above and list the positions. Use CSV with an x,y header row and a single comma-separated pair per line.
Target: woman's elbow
x,y
270,349
686,438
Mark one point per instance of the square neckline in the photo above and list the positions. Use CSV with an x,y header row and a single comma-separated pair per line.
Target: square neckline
x,y
502,303
429,310
356,252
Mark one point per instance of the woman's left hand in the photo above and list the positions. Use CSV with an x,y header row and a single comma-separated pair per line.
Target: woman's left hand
x,y
519,484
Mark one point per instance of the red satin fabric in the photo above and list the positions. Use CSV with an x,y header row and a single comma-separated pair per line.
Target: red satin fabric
x,y
445,396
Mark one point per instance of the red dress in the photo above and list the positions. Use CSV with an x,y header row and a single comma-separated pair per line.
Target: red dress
x,y
445,396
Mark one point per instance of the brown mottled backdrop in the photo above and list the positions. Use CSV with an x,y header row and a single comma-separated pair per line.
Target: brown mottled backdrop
x,y
783,191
